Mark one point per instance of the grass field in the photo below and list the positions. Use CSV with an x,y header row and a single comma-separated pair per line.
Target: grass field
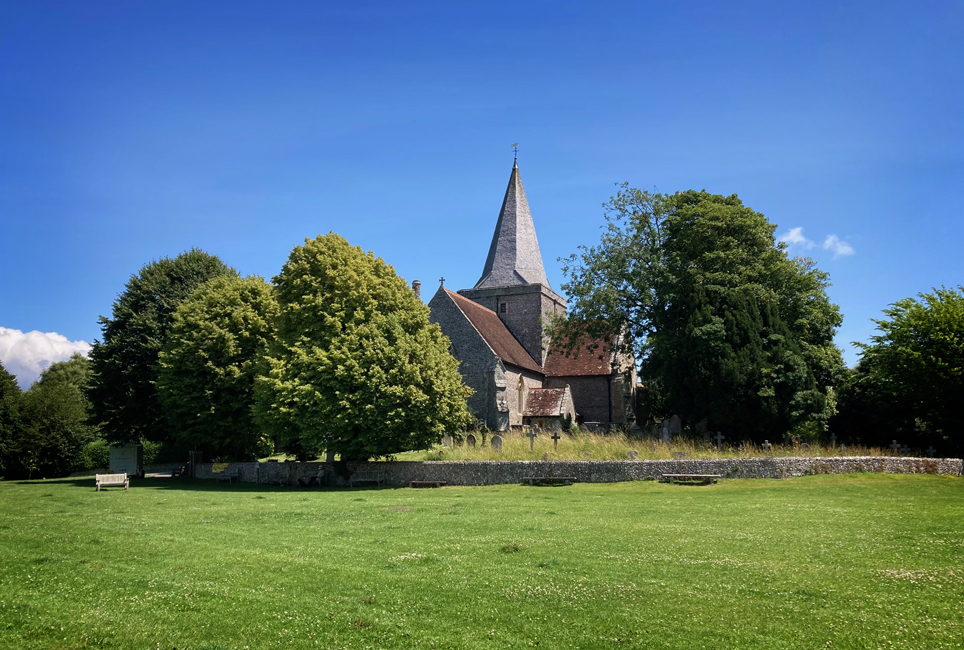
x,y
858,561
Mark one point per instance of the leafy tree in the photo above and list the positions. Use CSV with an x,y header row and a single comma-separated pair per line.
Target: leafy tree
x,y
122,390
10,423
725,325
208,366
910,378
55,421
357,368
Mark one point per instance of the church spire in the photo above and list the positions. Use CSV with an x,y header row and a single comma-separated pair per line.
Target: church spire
x,y
514,258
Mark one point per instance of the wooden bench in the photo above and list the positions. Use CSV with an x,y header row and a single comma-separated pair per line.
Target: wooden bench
x,y
691,478
106,480
549,480
426,484
233,477
367,476
317,479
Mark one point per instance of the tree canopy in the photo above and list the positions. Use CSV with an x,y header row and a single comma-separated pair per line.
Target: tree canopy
x,y
208,366
909,382
726,327
54,421
122,390
10,423
356,369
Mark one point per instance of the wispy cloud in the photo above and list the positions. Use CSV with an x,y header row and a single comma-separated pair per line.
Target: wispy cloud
x,y
794,238
27,354
839,247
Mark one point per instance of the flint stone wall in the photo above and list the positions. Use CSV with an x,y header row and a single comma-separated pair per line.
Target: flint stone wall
x,y
586,471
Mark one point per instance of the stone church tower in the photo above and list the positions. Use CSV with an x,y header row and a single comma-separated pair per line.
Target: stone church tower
x,y
498,331
513,282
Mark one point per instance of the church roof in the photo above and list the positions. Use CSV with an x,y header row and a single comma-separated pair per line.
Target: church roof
x,y
544,402
581,362
514,258
495,333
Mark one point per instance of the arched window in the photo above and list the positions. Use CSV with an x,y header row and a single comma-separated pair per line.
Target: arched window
x,y
522,394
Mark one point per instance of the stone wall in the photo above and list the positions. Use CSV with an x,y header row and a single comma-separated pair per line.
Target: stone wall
x,y
588,471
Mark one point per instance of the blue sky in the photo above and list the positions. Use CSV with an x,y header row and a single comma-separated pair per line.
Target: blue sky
x,y
131,131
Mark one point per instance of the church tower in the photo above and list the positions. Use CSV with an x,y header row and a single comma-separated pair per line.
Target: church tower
x,y
513,282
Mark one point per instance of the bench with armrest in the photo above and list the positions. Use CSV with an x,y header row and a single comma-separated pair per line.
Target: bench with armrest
x,y
691,478
106,480
367,476
317,479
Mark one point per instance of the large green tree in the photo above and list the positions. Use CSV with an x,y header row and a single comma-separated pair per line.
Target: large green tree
x,y
55,427
909,382
123,391
726,326
357,369
208,366
10,423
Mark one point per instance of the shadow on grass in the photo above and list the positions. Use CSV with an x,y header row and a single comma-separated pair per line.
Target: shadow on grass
x,y
194,484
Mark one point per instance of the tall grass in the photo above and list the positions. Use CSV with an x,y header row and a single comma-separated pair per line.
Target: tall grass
x,y
618,446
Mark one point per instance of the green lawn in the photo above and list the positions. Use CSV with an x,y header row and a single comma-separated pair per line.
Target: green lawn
x,y
859,561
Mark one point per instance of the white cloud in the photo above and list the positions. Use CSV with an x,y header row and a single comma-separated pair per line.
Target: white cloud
x,y
794,237
840,248
27,354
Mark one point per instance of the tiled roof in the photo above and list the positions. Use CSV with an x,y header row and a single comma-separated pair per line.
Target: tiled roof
x,y
544,402
495,333
581,362
514,258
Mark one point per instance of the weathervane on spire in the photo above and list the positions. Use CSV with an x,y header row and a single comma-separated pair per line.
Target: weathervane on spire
x,y
515,150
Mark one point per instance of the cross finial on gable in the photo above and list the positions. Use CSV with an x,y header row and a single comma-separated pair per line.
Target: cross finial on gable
x,y
441,281
515,150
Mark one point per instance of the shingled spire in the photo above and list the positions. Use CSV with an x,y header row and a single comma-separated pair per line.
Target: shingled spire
x,y
514,258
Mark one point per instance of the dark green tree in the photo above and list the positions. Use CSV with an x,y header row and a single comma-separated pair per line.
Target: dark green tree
x,y
357,368
725,325
55,421
909,382
123,391
208,366
10,423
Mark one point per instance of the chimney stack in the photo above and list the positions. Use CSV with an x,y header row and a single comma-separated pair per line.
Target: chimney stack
x,y
417,288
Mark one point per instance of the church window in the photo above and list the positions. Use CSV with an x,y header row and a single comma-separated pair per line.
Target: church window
x,y
522,395
502,307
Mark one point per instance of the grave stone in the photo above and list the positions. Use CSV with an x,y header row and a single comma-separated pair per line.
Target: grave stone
x,y
719,440
843,448
675,425
497,444
931,451
805,447
470,441
447,441
532,439
894,446
833,439
664,433
905,449
555,440
767,447
632,454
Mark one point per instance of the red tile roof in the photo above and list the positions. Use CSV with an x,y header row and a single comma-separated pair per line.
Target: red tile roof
x,y
544,402
495,333
582,361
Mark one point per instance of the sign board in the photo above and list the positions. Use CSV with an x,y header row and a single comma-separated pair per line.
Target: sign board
x,y
127,459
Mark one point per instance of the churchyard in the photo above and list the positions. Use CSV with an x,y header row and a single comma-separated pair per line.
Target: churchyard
x,y
829,561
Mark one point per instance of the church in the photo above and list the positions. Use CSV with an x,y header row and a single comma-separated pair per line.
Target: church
x,y
498,330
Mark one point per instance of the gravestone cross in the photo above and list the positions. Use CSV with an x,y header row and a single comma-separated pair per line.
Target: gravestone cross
x,y
719,439
767,446
496,444
905,449
555,440
532,439
895,446
833,439
931,451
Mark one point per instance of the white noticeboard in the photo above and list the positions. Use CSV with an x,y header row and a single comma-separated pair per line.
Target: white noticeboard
x,y
127,459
